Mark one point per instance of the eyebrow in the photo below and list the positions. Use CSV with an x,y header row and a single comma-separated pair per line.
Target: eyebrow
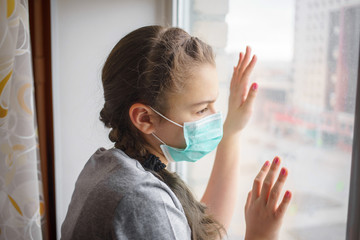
x,y
206,101
202,102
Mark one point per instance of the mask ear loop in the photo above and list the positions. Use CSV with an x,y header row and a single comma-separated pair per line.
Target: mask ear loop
x,y
166,117
158,138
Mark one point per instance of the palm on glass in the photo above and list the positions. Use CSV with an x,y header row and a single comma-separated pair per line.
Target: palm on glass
x,y
241,99
263,214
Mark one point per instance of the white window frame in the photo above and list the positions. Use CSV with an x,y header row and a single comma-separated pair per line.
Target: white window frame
x,y
180,11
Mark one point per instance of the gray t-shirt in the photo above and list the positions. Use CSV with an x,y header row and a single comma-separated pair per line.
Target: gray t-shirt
x,y
115,198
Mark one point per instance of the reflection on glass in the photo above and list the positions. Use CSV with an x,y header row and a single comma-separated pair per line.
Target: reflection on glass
x,y
307,74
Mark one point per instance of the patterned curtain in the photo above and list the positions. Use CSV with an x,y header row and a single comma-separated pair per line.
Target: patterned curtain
x,y
21,196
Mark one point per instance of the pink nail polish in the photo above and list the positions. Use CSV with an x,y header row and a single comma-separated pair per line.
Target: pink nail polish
x,y
276,160
267,163
254,86
287,194
283,171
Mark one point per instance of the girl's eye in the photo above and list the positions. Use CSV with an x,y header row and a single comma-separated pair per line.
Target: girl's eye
x,y
202,111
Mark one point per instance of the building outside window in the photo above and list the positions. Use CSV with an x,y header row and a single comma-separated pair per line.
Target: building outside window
x,y
307,68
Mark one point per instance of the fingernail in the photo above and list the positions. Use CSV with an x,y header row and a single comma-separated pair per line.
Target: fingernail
x,y
254,86
267,163
287,194
276,160
283,171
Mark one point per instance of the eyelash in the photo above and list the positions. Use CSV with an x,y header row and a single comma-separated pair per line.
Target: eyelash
x,y
202,111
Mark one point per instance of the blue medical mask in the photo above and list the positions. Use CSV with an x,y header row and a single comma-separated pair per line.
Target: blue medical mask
x,y
201,138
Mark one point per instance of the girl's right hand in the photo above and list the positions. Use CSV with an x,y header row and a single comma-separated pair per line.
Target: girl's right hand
x,y
262,214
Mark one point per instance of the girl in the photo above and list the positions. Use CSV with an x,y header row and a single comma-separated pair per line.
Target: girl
x,y
160,85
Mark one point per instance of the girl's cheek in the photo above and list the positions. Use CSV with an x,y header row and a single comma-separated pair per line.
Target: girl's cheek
x,y
174,136
181,139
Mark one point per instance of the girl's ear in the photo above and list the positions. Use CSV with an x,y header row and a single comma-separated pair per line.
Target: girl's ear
x,y
142,117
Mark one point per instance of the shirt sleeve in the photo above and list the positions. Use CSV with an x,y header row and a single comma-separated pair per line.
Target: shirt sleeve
x,y
149,212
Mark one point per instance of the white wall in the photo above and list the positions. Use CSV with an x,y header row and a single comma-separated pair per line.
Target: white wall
x,y
83,33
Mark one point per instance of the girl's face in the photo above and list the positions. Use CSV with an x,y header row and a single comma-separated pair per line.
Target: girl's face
x,y
194,102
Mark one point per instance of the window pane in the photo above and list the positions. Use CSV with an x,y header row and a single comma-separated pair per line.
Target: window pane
x,y
308,53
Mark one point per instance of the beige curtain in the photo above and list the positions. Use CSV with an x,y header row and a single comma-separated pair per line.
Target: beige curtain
x,y
21,197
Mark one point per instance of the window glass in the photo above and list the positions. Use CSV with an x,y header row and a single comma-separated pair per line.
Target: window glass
x,y
308,53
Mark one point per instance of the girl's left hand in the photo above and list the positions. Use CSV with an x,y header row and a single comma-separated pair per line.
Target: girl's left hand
x,y
241,99
263,214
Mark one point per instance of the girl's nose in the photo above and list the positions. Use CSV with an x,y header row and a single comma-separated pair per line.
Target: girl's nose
x,y
212,109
